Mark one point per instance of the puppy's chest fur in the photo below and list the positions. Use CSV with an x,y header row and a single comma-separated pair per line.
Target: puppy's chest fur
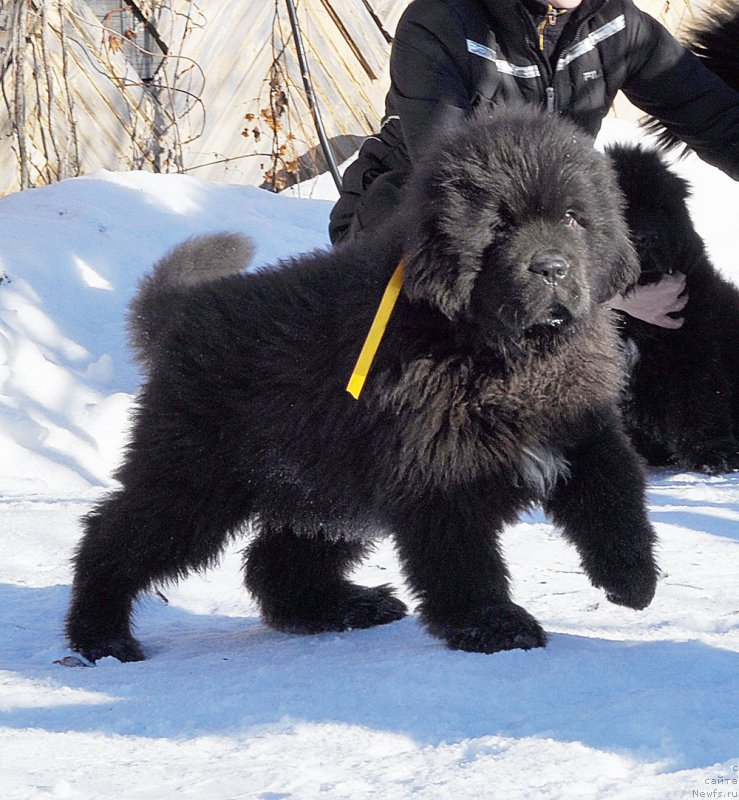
x,y
461,418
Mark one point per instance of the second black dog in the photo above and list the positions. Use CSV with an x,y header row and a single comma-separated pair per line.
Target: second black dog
x,y
682,408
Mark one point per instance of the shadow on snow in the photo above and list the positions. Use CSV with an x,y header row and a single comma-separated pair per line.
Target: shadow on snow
x,y
221,675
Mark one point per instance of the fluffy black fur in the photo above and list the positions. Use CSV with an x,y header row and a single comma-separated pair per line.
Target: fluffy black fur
x,y
495,388
682,407
714,38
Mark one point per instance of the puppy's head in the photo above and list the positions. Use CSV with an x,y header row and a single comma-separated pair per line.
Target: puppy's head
x,y
656,212
519,226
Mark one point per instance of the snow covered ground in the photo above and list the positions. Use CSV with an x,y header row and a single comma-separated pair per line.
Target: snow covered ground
x,y
620,704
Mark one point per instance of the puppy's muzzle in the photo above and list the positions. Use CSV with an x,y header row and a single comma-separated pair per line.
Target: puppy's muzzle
x,y
550,266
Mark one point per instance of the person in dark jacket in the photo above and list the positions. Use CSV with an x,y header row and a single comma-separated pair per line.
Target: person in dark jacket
x,y
570,57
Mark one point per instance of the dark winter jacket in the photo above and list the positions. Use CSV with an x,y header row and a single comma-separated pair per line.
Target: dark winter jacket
x,y
452,56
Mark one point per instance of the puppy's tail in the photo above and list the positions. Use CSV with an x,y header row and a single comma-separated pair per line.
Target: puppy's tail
x,y
198,260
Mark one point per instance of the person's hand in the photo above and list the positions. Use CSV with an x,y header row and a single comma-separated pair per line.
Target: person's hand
x,y
653,302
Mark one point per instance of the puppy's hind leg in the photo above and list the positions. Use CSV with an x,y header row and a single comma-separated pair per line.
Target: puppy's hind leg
x,y
299,581
131,540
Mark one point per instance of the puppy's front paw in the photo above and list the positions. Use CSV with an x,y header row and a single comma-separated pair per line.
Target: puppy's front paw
x,y
636,599
490,629
634,588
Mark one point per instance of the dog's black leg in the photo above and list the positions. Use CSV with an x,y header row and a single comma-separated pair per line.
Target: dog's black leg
x,y
104,587
450,553
703,426
601,509
680,409
300,583
131,540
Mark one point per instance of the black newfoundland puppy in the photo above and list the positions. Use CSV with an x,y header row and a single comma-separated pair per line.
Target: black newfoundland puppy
x,y
495,387
682,407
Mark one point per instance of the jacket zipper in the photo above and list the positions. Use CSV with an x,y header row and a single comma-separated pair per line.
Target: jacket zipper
x,y
552,71
550,98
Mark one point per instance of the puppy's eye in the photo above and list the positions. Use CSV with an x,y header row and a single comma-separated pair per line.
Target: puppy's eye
x,y
502,230
571,218
504,222
474,195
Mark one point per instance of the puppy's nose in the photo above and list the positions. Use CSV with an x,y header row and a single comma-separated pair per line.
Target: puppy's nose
x,y
552,267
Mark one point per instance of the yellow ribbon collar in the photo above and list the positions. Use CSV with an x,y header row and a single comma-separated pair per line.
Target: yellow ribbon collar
x,y
376,332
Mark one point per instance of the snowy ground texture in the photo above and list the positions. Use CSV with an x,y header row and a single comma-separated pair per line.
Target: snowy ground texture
x,y
619,705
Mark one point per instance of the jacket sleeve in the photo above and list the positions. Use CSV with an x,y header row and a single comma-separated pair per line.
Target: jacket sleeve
x,y
671,84
428,87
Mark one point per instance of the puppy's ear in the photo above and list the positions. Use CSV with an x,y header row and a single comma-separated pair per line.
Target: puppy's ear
x,y
442,254
611,243
620,268
435,273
